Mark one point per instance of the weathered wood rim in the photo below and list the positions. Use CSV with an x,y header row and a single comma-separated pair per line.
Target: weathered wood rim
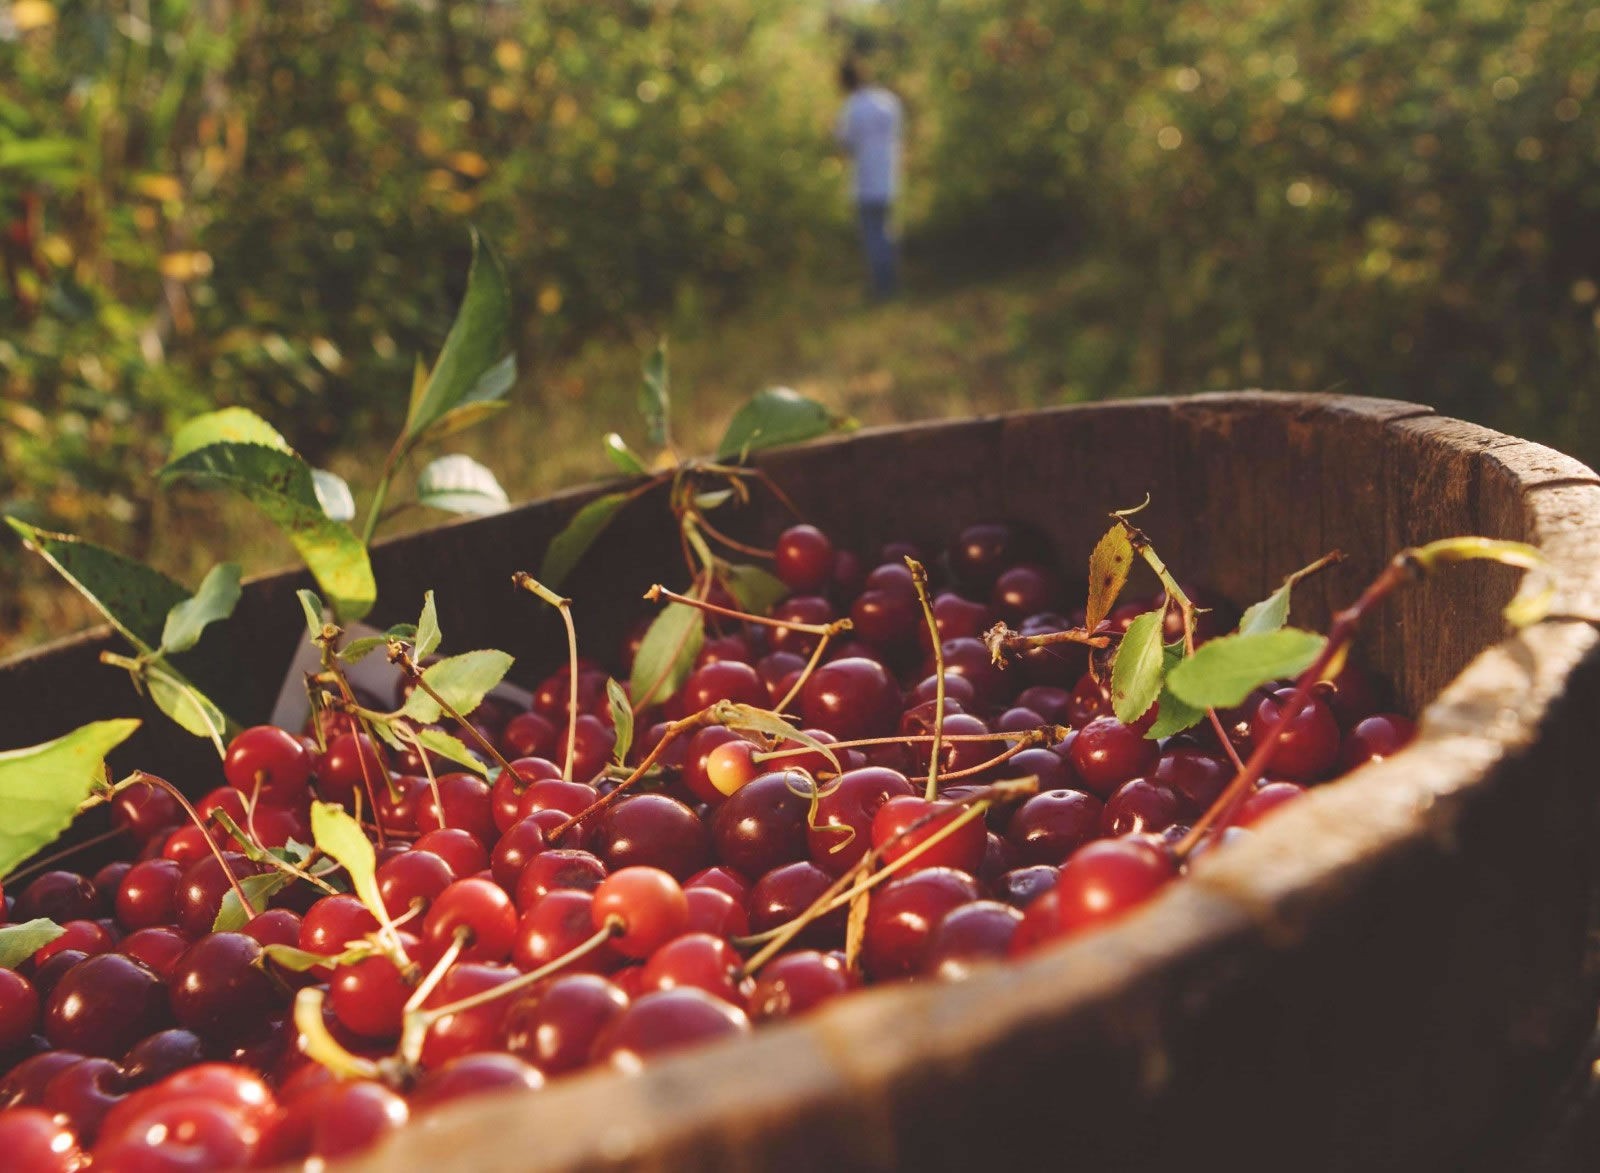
x,y
1387,976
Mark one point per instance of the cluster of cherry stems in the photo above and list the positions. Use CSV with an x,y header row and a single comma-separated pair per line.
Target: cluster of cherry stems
x,y
740,879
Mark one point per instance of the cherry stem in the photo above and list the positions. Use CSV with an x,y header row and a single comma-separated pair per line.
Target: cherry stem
x,y
407,733
613,927
732,543
1401,568
1010,642
563,604
673,730
841,892
317,1042
330,664
425,987
919,579
1029,740
805,675
658,592
1048,735
398,655
53,857
188,809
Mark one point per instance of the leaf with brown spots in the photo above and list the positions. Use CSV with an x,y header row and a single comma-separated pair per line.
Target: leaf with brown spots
x,y
1109,565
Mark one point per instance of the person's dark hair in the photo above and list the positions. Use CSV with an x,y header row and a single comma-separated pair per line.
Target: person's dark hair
x,y
849,76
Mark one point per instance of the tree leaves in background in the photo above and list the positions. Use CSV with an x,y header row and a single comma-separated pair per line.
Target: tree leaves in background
x,y
1223,671
42,786
476,365
771,417
655,396
459,484
215,599
231,425
463,681
20,942
627,461
1109,564
621,720
568,547
666,654
755,590
1136,671
280,485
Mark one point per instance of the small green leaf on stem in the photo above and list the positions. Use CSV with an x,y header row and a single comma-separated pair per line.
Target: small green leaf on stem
x,y
459,484
313,610
1223,671
712,499
666,654
20,942
447,745
625,459
570,545
1272,612
1137,670
1109,565
358,649
755,590
302,960
232,916
215,599
621,720
190,708
463,681
428,634
774,416
42,786
655,396
341,838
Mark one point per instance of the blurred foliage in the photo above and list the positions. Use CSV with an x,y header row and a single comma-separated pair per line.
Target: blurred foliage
x,y
211,202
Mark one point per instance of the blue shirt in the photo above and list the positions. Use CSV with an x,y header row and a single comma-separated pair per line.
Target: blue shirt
x,y
869,128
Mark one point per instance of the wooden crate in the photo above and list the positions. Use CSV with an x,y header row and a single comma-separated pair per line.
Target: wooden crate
x,y
1391,975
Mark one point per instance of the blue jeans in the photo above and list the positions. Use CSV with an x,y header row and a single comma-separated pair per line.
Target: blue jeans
x,y
877,246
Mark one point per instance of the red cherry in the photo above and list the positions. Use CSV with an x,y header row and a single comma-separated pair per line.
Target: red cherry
x,y
1102,881
1264,801
158,947
369,997
893,836
339,772
529,735
664,1021
468,1075
270,764
145,810
1137,807
19,1009
477,1028
699,961
1308,748
554,1026
412,879
556,869
554,927
711,910
1106,753
34,1142
181,1134
649,904
482,911
969,935
793,983
803,558
840,832
463,802
902,915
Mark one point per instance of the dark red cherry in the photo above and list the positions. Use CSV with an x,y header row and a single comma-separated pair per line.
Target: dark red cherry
x,y
1022,590
221,991
1374,738
664,1021
463,802
1308,748
957,618
723,680
811,610
554,1026
792,983
555,869
58,896
1351,694
105,1004
517,846
969,935
969,658
80,1095
852,698
777,671
23,1086
144,809
840,832
1197,777
763,824
1106,753
1020,886
652,830
711,910
1051,826
200,890
1264,801
902,915
146,896
529,735
980,552
158,947
398,801
1139,806
157,1056
351,765
19,1009
886,619
803,558
784,893
79,936
469,1075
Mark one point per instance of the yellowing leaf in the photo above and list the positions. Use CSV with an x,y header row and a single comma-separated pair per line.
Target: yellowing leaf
x,y
1109,565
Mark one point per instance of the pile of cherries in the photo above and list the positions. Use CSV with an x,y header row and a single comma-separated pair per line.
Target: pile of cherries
x,y
142,1040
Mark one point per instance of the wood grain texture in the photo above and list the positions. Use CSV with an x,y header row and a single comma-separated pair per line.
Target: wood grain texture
x,y
1391,975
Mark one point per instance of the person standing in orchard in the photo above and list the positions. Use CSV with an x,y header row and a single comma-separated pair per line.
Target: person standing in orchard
x,y
869,128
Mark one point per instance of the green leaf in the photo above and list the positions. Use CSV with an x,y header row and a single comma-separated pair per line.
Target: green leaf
x,y
231,425
1136,671
333,495
42,786
621,721
358,649
301,961
216,598
706,502
568,547
1109,564
190,708
626,460
462,681
20,942
666,654
1223,671
232,915
428,634
1175,714
280,485
475,365
341,838
755,590
313,609
655,396
771,417
1272,612
447,745
459,419
459,484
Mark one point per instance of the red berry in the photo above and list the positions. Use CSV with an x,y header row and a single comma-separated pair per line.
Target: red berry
x,y
481,911
649,905
904,822
268,763
665,1021
554,1026
803,557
